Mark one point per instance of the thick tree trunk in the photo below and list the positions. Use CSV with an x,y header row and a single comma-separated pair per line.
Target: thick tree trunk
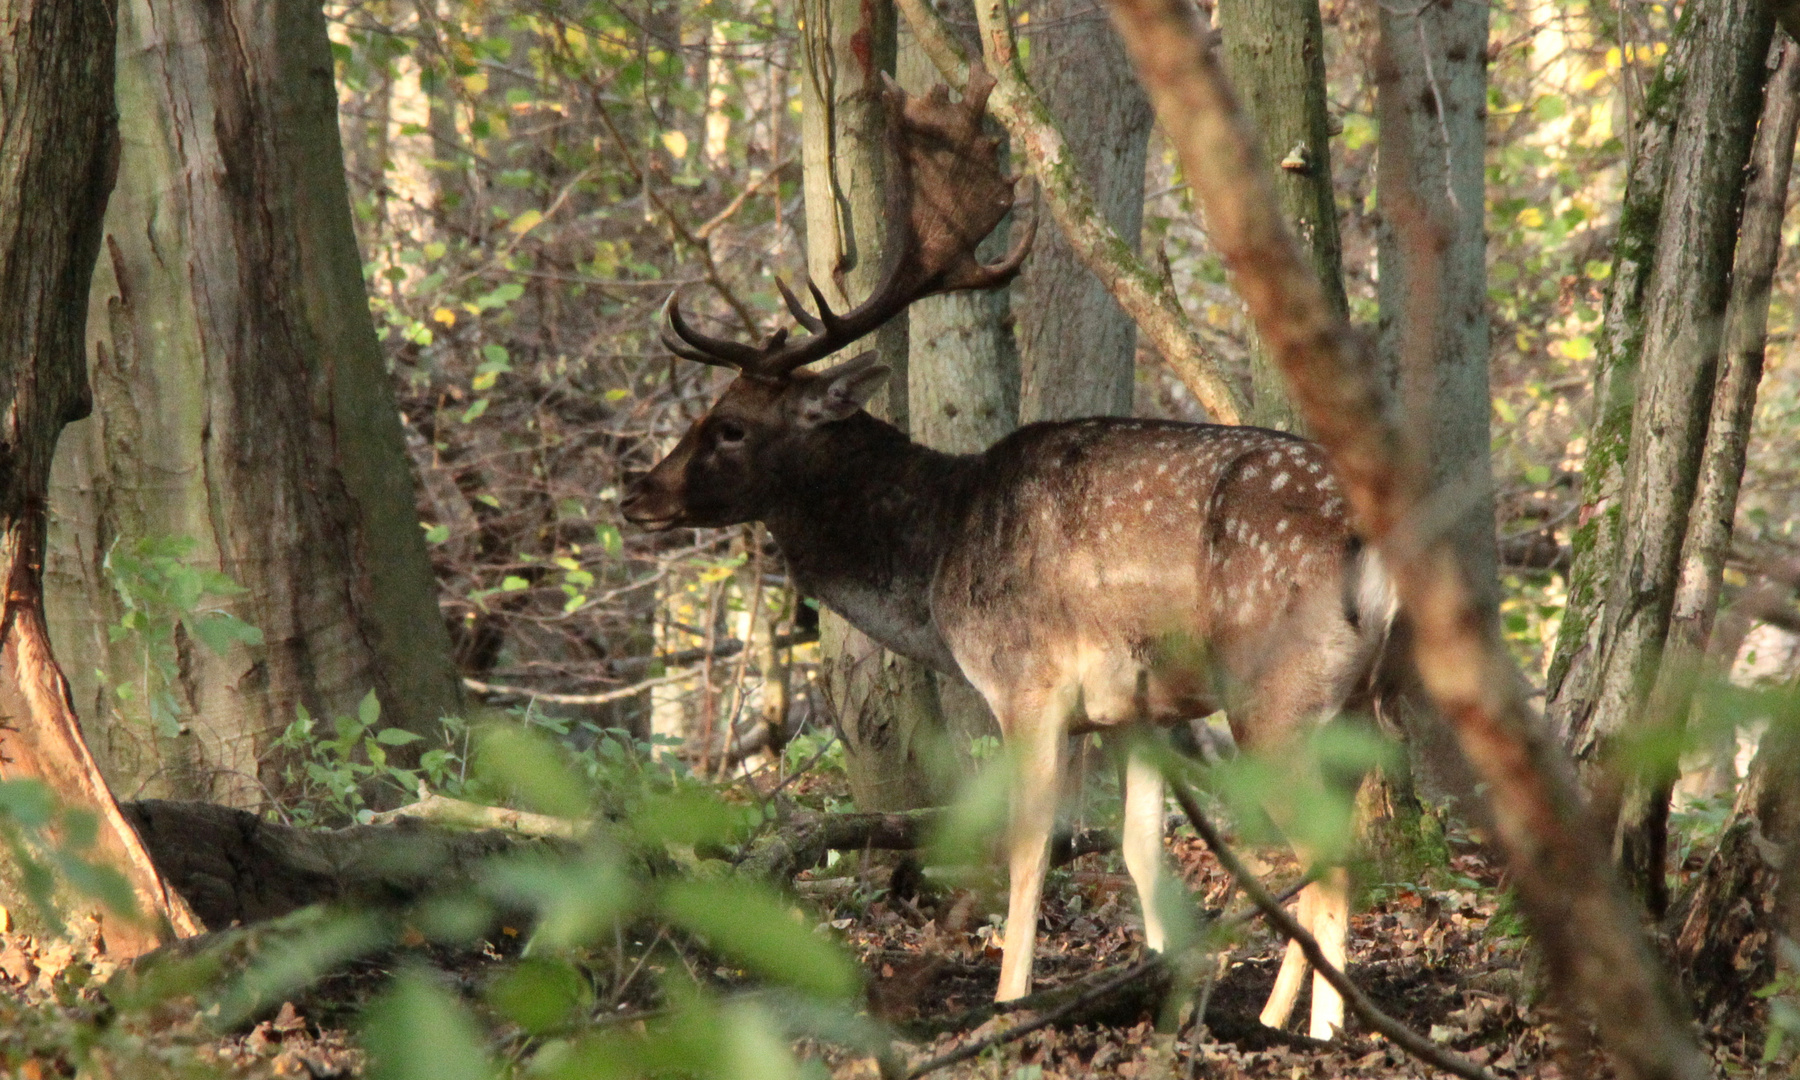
x,y
1683,314
243,404
1274,51
1079,348
58,152
883,703
1644,811
1431,73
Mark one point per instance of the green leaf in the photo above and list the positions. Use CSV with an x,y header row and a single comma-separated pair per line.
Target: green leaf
x,y
417,1031
396,737
28,802
513,583
525,764
541,994
437,534
751,924
475,411
501,296
219,631
368,710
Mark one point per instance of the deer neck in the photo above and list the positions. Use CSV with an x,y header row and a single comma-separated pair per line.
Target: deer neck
x,y
864,526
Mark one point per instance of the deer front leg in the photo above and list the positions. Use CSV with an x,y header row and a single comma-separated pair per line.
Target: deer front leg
x,y
1142,841
1037,779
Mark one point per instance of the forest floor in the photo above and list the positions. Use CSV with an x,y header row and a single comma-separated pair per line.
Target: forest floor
x,y
1446,959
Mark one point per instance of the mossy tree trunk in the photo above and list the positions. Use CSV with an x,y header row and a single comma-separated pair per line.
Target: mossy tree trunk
x,y
1079,348
58,152
243,404
1621,615
1274,51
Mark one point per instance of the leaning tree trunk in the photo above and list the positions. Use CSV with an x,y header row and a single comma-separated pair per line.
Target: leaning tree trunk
x,y
1644,811
1275,53
1079,348
883,702
244,406
1431,100
1683,313
58,151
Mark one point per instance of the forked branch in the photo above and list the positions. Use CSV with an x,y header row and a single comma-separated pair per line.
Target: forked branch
x,y
948,193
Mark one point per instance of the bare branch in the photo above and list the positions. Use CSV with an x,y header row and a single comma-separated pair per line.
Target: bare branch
x,y
1581,919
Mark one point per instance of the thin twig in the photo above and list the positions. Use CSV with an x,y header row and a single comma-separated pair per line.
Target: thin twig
x,y
1407,1039
580,699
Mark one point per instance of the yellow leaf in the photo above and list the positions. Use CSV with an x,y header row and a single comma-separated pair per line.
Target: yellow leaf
x,y
445,316
484,381
476,83
1734,576
675,142
1531,217
525,222
1614,58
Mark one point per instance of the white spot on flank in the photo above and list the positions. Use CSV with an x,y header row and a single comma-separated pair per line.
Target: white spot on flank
x,y
1149,505
1282,525
1331,507
1312,466
1138,487
1274,457
1294,544
1252,472
1280,481
1163,468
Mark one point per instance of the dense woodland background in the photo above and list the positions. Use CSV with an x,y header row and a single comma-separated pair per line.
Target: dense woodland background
x,y
308,566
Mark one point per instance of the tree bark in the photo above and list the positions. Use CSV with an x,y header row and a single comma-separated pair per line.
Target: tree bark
x,y
1580,918
1079,347
1644,810
1431,101
244,404
1683,313
883,703
58,157
1274,51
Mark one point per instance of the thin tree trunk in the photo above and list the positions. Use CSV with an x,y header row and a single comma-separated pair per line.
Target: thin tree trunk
x,y
1683,313
244,404
1644,812
881,701
1569,685
1274,51
58,155
1431,100
1079,348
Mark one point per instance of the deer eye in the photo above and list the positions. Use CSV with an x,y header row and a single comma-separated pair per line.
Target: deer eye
x,y
729,433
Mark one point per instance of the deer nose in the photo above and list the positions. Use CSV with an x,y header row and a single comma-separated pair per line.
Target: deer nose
x,y
639,507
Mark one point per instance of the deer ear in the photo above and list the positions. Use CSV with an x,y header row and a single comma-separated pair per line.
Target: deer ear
x,y
838,393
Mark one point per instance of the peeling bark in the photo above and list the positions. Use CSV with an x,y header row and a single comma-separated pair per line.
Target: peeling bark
x,y
58,157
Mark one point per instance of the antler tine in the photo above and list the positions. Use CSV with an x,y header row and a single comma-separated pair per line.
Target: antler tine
x,y
801,315
702,347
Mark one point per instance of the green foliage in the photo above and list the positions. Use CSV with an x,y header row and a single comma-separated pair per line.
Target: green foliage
x,y
165,596
328,773
50,850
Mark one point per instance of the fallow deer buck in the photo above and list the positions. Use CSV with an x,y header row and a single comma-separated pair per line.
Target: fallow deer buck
x,y
1053,570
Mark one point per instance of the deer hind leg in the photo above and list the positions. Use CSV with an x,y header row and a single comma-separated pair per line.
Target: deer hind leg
x,y
1294,965
1331,926
1038,740
1143,838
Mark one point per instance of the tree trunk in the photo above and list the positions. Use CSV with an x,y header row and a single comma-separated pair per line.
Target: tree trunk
x,y
1683,313
1274,51
1644,811
1079,348
881,701
58,155
1569,684
1431,102
244,405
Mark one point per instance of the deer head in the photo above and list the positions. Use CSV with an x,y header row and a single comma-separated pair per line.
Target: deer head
x,y
948,193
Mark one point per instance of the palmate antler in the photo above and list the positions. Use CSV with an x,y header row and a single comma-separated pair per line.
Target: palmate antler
x,y
948,194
